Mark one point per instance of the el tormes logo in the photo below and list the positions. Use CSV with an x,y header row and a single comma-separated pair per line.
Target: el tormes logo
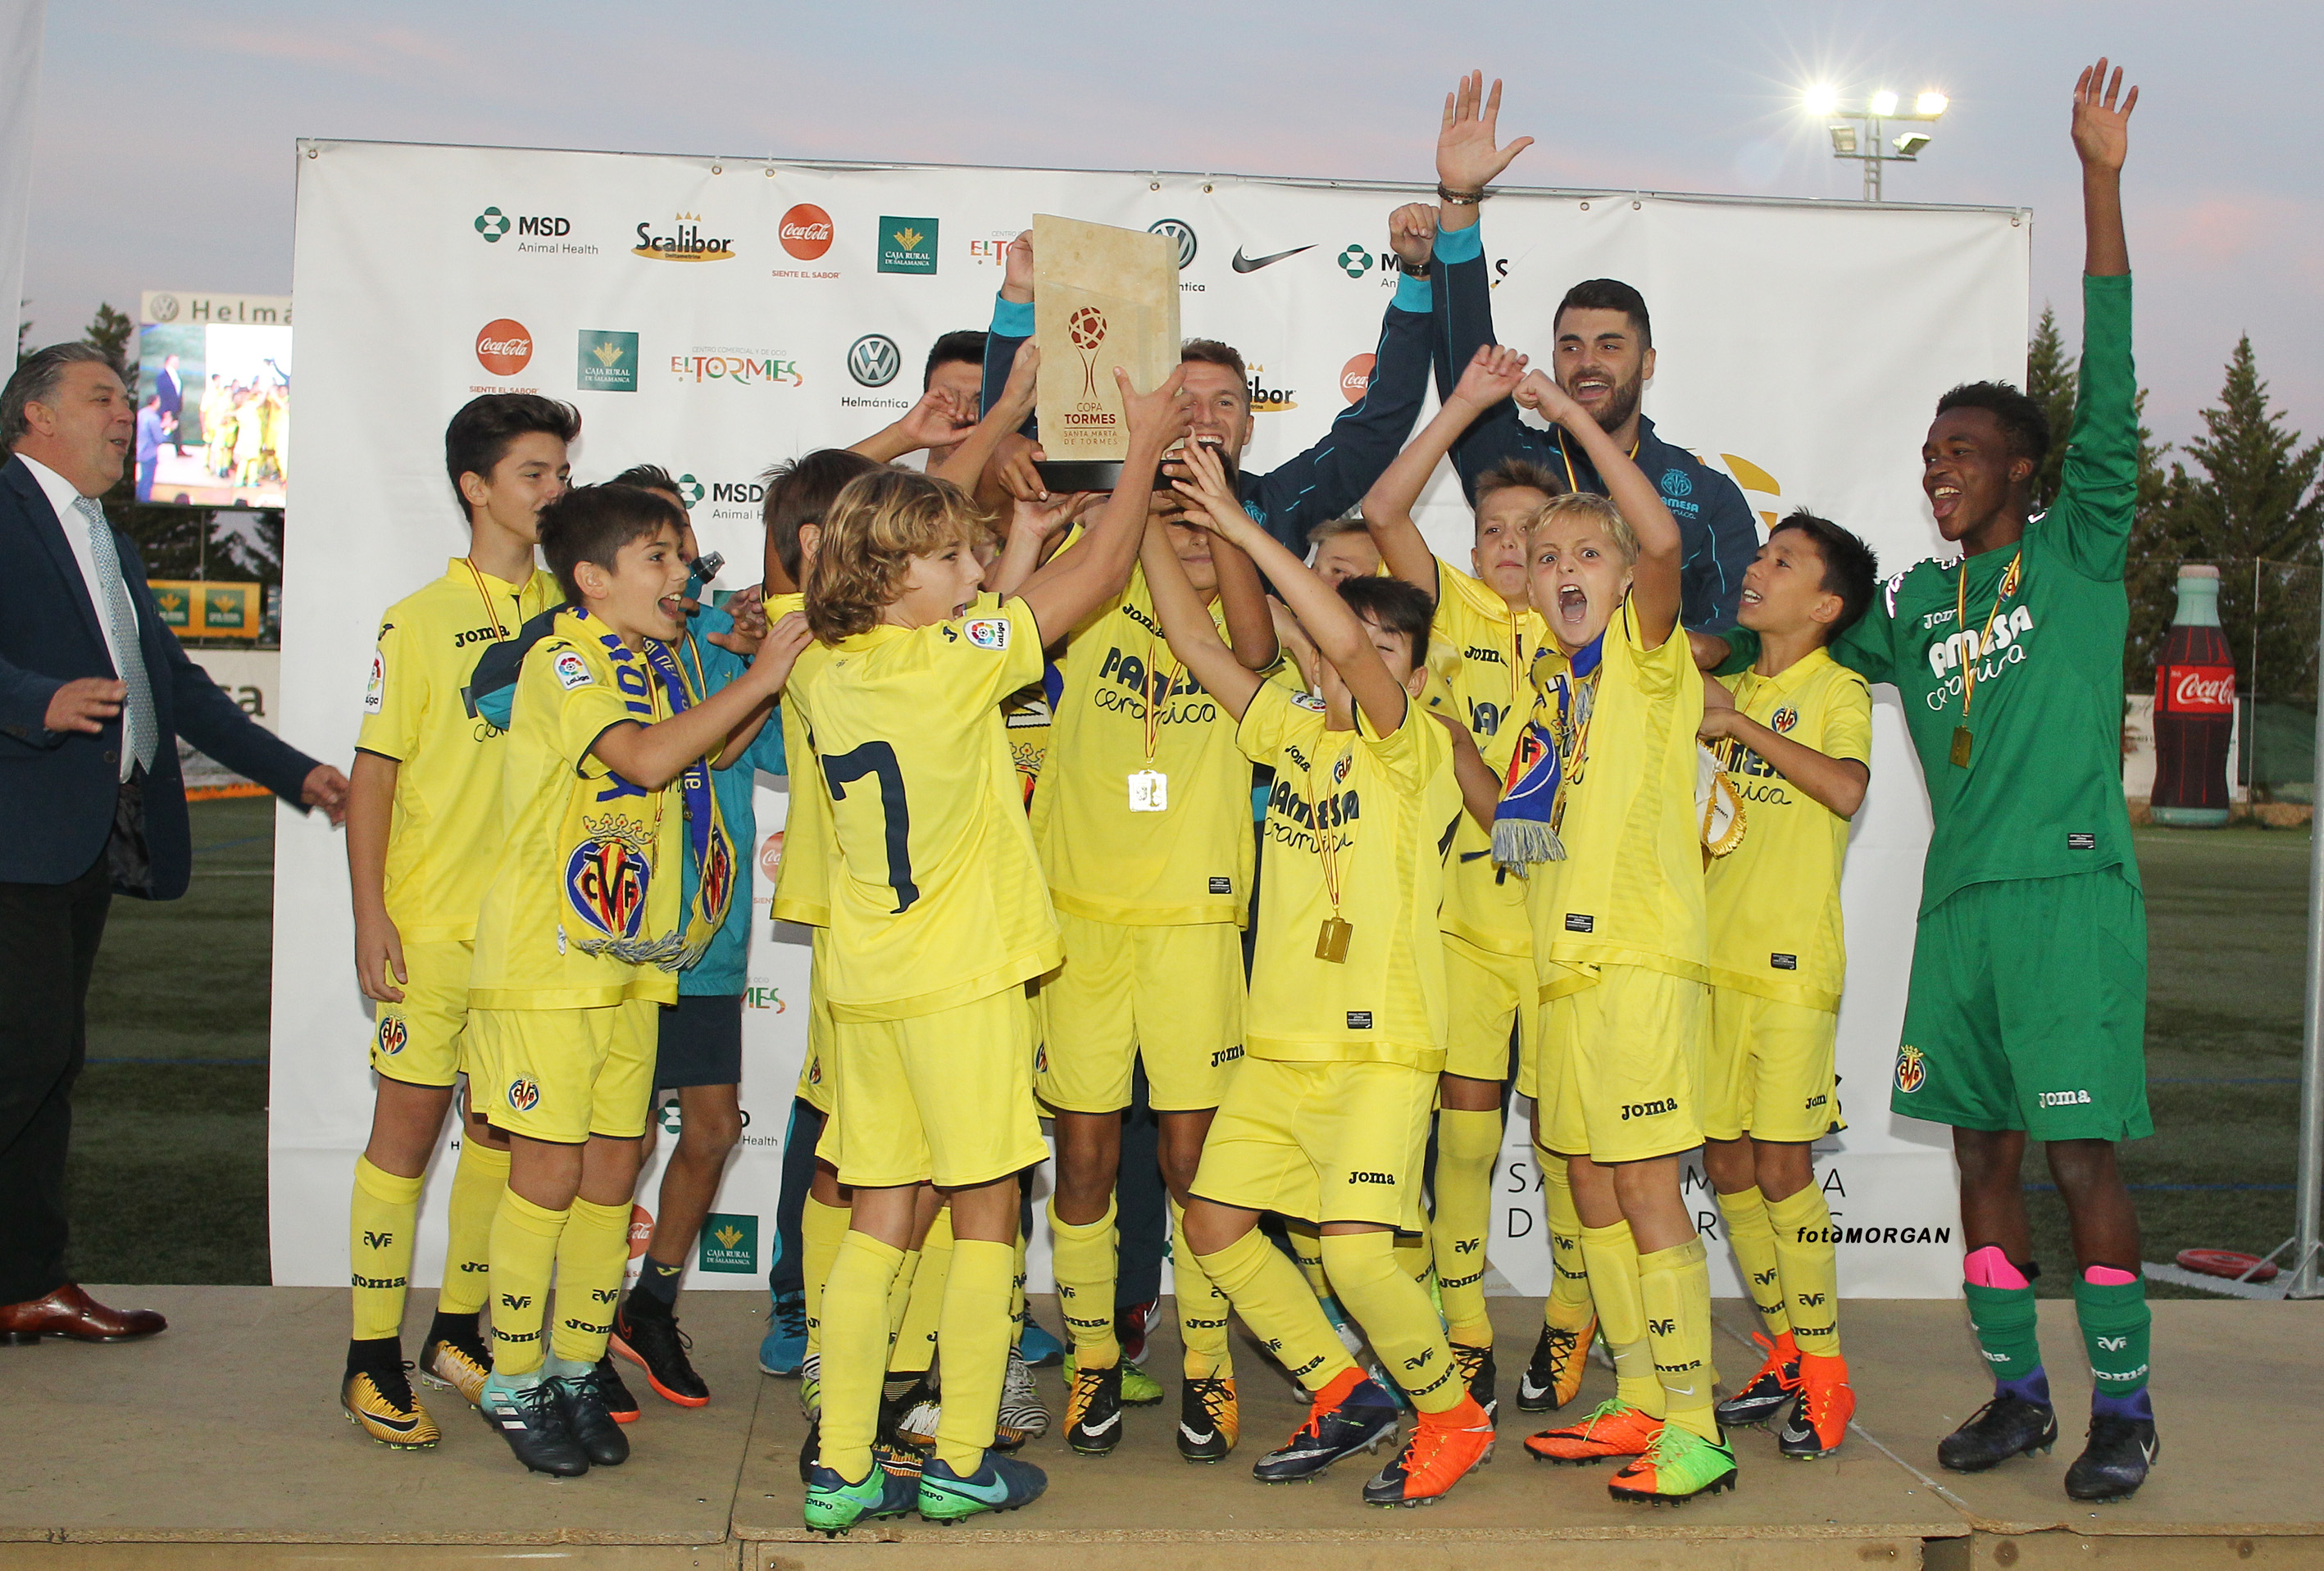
x,y
736,368
689,243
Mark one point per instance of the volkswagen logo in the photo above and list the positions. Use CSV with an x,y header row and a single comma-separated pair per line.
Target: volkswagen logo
x,y
873,359
1180,231
165,308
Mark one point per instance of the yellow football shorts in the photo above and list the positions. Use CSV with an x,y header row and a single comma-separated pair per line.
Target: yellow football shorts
x,y
1325,1142
1491,995
818,1076
564,1074
419,1042
945,1098
1172,996
1620,1066
1769,1072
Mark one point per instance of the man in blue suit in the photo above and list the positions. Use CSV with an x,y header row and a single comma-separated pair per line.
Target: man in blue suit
x,y
94,693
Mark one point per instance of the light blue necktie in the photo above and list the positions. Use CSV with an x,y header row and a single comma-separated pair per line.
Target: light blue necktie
x,y
121,620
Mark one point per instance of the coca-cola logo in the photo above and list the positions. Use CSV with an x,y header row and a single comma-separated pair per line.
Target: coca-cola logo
x,y
503,347
1355,377
2199,689
805,232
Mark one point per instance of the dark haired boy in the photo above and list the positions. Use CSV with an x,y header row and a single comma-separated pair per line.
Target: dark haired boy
x,y
1326,1121
1603,358
422,826
1795,734
579,940
2026,1015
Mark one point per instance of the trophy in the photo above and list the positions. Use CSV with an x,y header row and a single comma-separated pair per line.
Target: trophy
x,y
1103,297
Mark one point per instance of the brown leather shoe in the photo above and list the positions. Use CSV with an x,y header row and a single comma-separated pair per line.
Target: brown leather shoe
x,y
72,1313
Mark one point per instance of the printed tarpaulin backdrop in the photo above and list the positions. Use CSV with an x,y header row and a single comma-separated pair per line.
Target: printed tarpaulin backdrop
x,y
715,316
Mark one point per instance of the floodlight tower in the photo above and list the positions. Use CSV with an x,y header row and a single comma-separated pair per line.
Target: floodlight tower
x,y
1857,131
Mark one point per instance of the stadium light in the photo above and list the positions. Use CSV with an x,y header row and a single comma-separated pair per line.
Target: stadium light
x,y
1856,132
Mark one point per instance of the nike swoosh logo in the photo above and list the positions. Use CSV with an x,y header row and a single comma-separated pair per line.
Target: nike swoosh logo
x,y
1111,1420
990,1493
1194,1438
386,1421
1242,264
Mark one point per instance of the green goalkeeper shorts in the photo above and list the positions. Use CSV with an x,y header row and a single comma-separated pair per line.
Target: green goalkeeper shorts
x,y
2028,1010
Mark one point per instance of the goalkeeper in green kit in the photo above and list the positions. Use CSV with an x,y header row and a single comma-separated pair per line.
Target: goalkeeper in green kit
x,y
2028,1003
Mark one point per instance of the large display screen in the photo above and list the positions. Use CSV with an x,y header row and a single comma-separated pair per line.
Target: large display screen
x,y
213,401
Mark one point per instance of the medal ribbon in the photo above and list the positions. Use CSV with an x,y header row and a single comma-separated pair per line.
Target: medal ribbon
x,y
1976,654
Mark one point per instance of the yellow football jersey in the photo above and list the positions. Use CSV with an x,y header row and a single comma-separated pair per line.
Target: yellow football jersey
x,y
1774,900
937,897
440,840
582,907
1484,904
803,881
1371,818
1629,890
1118,844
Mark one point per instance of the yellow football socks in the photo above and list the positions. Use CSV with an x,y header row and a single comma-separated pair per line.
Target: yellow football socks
x,y
1468,1144
590,1256
1674,1285
1613,1258
1413,1257
974,1339
1085,1261
900,1301
524,1250
1802,1223
855,1350
381,1216
821,1227
1753,1236
1201,1308
1273,1299
916,1337
1377,1288
476,1185
1017,1295
1568,1307
1306,1241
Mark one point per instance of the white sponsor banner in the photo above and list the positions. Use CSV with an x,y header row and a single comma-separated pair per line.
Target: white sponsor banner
x,y
20,100
249,678
716,316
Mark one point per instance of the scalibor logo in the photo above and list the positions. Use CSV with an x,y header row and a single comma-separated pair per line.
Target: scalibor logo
x,y
688,244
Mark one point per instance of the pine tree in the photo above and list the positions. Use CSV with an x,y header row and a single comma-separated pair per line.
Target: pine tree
x,y
111,331
2051,381
2256,500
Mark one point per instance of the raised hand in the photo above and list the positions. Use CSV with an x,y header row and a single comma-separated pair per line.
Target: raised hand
x,y
1018,392
1211,500
1013,465
2102,131
1491,375
778,651
1468,158
1163,415
1538,393
1017,270
1412,231
937,420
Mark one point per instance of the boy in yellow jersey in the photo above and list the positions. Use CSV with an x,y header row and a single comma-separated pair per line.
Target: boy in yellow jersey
x,y
1142,818
580,939
1795,734
798,494
1489,971
1342,548
939,917
1327,1119
422,829
1603,821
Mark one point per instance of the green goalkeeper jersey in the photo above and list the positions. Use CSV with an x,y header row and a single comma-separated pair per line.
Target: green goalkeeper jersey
x,y
2040,792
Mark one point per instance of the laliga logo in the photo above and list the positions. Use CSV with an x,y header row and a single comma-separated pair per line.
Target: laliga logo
x,y
1087,327
1355,377
805,232
2203,689
504,346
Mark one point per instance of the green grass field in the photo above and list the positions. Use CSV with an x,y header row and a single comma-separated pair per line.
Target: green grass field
x,y
169,1175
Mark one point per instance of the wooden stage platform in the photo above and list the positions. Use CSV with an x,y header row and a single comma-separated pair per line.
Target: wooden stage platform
x,y
220,1445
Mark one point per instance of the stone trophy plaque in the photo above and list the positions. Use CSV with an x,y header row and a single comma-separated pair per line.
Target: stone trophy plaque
x,y
1103,297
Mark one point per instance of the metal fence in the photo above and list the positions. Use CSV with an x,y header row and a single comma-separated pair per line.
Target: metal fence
x,y
2268,610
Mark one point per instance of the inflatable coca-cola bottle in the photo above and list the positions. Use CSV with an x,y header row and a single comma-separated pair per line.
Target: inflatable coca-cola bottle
x,y
2194,709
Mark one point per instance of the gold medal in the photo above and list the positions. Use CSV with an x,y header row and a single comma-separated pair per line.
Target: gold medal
x,y
1961,747
1331,940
